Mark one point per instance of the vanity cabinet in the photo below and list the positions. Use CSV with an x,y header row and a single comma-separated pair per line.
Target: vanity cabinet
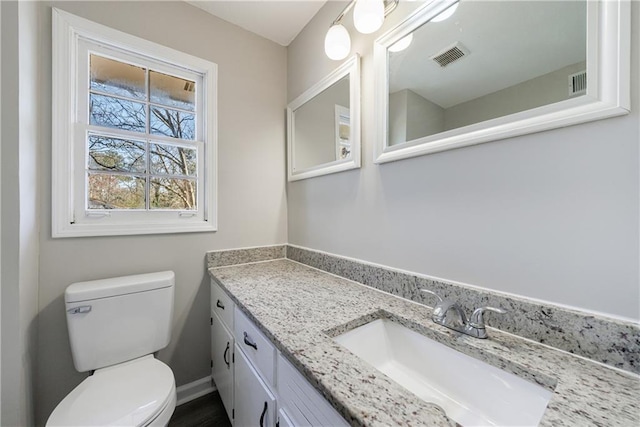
x,y
255,404
257,385
258,348
284,420
301,402
222,343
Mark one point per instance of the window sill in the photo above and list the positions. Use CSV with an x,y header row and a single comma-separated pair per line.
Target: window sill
x,y
96,230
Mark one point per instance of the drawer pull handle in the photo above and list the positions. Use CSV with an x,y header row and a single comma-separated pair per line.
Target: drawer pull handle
x,y
264,412
219,304
250,343
224,356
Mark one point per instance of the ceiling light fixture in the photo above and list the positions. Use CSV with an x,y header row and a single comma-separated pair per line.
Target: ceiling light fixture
x,y
337,43
368,17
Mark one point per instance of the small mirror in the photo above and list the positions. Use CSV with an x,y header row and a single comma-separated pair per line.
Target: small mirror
x,y
323,134
457,73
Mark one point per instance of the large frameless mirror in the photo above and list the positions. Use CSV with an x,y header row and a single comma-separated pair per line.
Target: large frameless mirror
x,y
323,125
458,73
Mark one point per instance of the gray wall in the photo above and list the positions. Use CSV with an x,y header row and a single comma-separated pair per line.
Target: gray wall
x,y
423,117
20,135
552,215
251,189
411,116
546,89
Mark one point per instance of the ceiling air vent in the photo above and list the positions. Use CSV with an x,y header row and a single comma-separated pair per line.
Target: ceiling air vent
x,y
189,86
578,83
450,54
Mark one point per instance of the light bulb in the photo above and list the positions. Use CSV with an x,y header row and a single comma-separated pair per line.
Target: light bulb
x,y
401,44
337,43
446,13
368,15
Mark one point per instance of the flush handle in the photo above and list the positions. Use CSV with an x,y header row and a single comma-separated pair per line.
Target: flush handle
x,y
80,309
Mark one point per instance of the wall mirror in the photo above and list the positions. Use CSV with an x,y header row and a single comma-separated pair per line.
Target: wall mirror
x,y
458,73
323,125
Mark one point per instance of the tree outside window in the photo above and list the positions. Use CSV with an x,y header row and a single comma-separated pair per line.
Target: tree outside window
x,y
141,151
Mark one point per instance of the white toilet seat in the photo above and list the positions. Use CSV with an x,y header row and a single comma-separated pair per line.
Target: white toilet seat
x,y
140,392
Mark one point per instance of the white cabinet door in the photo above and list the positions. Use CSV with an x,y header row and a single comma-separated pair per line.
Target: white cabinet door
x,y
284,420
222,361
255,405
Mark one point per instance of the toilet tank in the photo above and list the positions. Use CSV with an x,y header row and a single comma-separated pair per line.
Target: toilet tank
x,y
114,320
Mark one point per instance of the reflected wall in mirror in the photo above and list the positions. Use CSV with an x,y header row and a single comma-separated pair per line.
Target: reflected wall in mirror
x,y
315,126
495,69
323,125
490,59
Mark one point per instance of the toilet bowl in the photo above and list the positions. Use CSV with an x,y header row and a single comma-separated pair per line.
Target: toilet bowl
x,y
115,326
141,392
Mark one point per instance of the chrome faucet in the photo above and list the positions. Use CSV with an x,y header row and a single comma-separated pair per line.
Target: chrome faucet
x,y
449,314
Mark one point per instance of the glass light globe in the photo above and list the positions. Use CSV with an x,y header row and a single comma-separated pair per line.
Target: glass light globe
x,y
368,15
401,44
337,43
446,13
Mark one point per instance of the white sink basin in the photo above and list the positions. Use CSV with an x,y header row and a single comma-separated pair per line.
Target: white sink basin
x,y
471,392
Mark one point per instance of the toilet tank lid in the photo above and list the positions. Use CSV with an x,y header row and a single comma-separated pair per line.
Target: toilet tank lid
x,y
104,288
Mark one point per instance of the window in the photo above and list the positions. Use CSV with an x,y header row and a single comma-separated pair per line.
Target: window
x,y
133,134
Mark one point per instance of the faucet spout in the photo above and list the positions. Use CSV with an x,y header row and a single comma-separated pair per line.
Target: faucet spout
x,y
449,314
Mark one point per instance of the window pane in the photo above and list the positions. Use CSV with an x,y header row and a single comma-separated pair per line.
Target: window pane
x,y
117,78
172,91
107,191
169,193
118,155
176,124
172,160
117,113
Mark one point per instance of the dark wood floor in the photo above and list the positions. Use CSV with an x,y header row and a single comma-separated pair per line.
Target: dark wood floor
x,y
204,411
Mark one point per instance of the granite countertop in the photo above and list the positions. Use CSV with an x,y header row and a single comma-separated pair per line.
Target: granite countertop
x,y
300,309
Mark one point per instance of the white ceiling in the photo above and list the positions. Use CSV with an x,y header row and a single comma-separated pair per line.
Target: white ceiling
x,y
276,20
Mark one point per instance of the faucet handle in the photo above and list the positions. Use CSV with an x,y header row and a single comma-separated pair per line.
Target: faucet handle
x,y
427,291
477,318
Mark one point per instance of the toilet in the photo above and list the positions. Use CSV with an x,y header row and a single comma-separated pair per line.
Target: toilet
x,y
115,325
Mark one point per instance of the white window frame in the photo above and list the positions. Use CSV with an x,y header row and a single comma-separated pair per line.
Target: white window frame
x,y
70,218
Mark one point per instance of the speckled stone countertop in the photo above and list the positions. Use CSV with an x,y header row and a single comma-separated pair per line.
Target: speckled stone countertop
x,y
300,309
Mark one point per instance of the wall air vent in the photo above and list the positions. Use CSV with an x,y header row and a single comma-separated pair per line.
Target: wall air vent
x,y
450,54
578,84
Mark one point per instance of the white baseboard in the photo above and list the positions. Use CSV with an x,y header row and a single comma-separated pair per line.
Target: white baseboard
x,y
193,390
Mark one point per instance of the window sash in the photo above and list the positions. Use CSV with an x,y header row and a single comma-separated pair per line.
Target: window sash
x,y
81,180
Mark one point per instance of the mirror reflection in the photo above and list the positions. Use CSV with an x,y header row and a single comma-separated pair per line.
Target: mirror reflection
x,y
487,60
322,127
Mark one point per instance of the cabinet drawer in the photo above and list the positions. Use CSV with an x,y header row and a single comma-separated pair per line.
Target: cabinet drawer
x,y
301,401
255,345
222,305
